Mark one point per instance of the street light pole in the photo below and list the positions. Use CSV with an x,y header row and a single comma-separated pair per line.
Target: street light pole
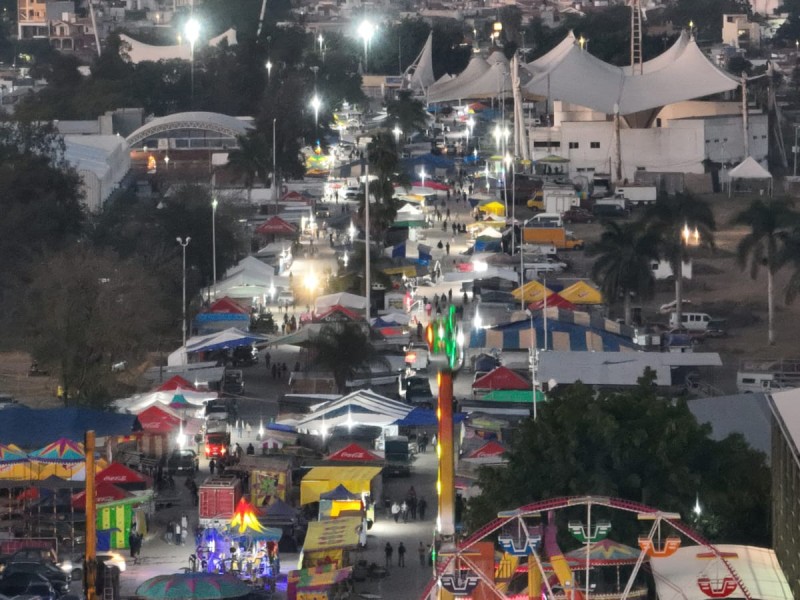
x,y
192,31
274,167
366,239
183,244
214,204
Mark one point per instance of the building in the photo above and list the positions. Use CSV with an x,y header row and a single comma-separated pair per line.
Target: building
x,y
739,32
34,16
102,161
785,408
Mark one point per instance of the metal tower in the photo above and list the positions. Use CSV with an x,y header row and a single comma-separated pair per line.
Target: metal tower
x,y
636,37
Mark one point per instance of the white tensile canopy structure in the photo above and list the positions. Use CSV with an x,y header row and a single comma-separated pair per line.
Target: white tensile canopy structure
x,y
493,81
571,74
679,576
136,51
136,404
442,90
420,73
749,169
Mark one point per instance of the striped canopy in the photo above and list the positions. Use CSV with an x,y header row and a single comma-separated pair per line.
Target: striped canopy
x,y
11,455
63,451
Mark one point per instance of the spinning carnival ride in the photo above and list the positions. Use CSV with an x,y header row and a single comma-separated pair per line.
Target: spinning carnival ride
x,y
532,564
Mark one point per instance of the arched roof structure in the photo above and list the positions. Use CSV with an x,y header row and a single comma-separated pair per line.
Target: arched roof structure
x,y
205,121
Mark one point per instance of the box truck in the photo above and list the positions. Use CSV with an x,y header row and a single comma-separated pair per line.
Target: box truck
x,y
637,195
218,498
557,236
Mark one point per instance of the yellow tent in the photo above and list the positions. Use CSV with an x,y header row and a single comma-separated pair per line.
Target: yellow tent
x,y
320,480
335,533
494,208
533,291
581,292
35,471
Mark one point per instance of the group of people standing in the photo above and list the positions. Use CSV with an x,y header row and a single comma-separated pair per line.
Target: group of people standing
x,y
411,506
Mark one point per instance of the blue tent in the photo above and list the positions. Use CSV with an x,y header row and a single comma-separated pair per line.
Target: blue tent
x,y
425,417
339,493
54,423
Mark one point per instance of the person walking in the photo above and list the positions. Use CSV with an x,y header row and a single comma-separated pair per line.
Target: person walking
x,y
267,358
212,465
178,530
404,511
447,248
184,528
388,551
421,506
401,555
396,511
421,552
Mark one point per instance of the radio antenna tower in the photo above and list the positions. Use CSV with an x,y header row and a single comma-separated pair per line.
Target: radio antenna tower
x,y
636,37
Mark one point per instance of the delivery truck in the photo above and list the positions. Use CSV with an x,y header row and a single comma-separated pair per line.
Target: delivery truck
x,y
398,456
560,202
637,195
557,236
219,495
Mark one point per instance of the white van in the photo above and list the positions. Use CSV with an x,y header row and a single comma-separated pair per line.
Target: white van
x,y
692,321
545,220
752,383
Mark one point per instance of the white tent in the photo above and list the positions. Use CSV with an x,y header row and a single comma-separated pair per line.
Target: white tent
x,y
341,299
492,83
408,210
362,407
251,264
422,77
136,51
489,232
136,404
476,67
570,73
220,340
396,318
681,575
749,169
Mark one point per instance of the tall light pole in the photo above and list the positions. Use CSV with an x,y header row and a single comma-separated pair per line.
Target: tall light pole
x,y
192,31
365,31
316,103
274,168
366,239
509,162
269,71
183,244
214,204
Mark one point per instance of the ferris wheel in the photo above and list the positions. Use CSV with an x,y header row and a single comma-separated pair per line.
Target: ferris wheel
x,y
530,563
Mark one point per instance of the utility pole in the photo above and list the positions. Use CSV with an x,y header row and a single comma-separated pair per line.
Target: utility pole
x,y
366,238
90,552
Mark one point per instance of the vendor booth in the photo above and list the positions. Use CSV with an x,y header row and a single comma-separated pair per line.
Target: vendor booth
x,y
320,480
317,583
330,542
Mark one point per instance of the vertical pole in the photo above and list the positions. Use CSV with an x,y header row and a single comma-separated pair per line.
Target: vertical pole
x,y
366,239
90,571
794,150
214,243
274,168
745,119
514,207
183,304
588,545
445,484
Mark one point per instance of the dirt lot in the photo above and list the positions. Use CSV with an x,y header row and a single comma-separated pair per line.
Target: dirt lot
x,y
722,290
36,392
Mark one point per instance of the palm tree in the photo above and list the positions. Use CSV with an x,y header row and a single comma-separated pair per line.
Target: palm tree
x,y
252,159
623,267
346,351
407,112
770,224
674,219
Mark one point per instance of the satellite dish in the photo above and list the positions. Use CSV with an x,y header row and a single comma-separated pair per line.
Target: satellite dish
x,y
551,384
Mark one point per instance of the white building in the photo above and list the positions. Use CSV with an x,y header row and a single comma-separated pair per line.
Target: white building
x,y
739,32
102,161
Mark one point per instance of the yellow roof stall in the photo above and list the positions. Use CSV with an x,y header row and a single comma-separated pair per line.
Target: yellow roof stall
x,y
581,292
533,291
320,480
493,207
329,542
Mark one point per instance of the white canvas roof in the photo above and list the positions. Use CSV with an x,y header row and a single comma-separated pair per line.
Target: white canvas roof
x,y
494,81
341,299
253,265
136,404
476,67
572,74
749,169
362,407
422,78
677,576
137,51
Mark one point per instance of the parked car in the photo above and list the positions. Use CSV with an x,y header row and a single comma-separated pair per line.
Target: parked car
x,y
183,461
6,400
609,211
578,215
27,584
57,578
110,559
417,356
233,382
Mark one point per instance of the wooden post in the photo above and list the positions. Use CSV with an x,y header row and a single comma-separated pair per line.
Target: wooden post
x,y
90,568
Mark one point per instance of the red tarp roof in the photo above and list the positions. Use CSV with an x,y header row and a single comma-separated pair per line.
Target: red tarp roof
x,y
117,473
104,492
338,308
553,301
276,226
502,378
176,382
226,305
354,452
491,448
155,419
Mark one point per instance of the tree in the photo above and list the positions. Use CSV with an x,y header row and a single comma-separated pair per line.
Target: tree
x,y
637,445
625,253
384,164
346,351
407,113
675,219
770,224
253,158
85,311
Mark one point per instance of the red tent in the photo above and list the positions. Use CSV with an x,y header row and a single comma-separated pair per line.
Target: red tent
x,y
104,492
337,313
489,449
226,305
176,382
502,378
157,419
276,226
354,452
554,300
123,477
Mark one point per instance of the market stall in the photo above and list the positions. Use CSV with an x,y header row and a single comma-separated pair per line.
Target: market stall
x,y
320,480
330,542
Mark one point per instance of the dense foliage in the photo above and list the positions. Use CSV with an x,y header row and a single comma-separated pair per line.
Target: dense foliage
x,y
635,445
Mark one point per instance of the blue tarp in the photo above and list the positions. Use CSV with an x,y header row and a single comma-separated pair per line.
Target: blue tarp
x,y
203,317
429,161
339,493
29,428
425,417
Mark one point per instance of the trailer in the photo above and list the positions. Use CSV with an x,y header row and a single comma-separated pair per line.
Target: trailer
x,y
218,498
638,195
767,374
